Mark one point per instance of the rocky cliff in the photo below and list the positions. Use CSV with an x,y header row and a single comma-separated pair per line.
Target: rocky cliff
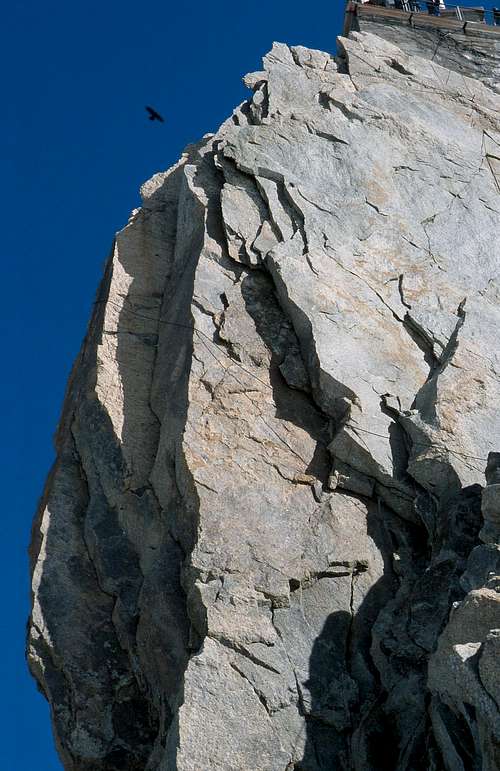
x,y
261,546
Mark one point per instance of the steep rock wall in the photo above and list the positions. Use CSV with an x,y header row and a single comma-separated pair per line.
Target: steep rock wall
x,y
267,493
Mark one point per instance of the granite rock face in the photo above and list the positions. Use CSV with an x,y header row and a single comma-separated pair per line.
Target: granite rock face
x,y
268,488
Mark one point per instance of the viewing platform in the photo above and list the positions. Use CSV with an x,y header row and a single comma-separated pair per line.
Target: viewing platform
x,y
460,38
415,13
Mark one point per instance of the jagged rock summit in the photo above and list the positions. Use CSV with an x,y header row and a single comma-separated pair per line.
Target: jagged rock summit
x,y
261,546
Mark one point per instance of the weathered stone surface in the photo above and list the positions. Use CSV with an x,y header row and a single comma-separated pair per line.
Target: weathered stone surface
x,y
267,495
466,686
490,504
482,565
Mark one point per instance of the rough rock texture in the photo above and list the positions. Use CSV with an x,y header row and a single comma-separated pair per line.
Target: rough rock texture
x,y
267,494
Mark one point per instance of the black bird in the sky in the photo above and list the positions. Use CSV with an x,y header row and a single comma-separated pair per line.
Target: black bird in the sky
x,y
153,115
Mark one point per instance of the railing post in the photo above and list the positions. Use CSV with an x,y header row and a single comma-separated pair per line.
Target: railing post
x,y
459,13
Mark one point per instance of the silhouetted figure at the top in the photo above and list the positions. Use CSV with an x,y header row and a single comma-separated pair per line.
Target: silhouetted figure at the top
x,y
434,7
153,115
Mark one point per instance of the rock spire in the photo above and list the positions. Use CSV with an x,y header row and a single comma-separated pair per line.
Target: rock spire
x,y
261,546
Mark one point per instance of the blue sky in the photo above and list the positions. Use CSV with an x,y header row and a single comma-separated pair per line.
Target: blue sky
x,y
76,145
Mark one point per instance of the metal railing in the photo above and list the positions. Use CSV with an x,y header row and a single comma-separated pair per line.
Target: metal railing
x,y
475,14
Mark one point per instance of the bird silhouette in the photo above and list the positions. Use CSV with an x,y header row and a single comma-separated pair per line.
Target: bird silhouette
x,y
153,115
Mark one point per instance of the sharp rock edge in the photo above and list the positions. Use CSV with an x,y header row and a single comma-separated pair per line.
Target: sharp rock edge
x,y
267,493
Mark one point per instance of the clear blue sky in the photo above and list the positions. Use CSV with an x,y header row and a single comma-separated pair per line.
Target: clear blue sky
x,y
76,145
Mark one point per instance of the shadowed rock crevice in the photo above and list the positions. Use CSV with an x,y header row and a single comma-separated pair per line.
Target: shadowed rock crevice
x,y
292,404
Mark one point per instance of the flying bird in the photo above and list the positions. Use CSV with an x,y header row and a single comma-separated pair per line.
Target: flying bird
x,y
153,115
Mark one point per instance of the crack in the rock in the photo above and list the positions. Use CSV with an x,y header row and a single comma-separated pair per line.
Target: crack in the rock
x,y
374,206
260,696
315,131
244,651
